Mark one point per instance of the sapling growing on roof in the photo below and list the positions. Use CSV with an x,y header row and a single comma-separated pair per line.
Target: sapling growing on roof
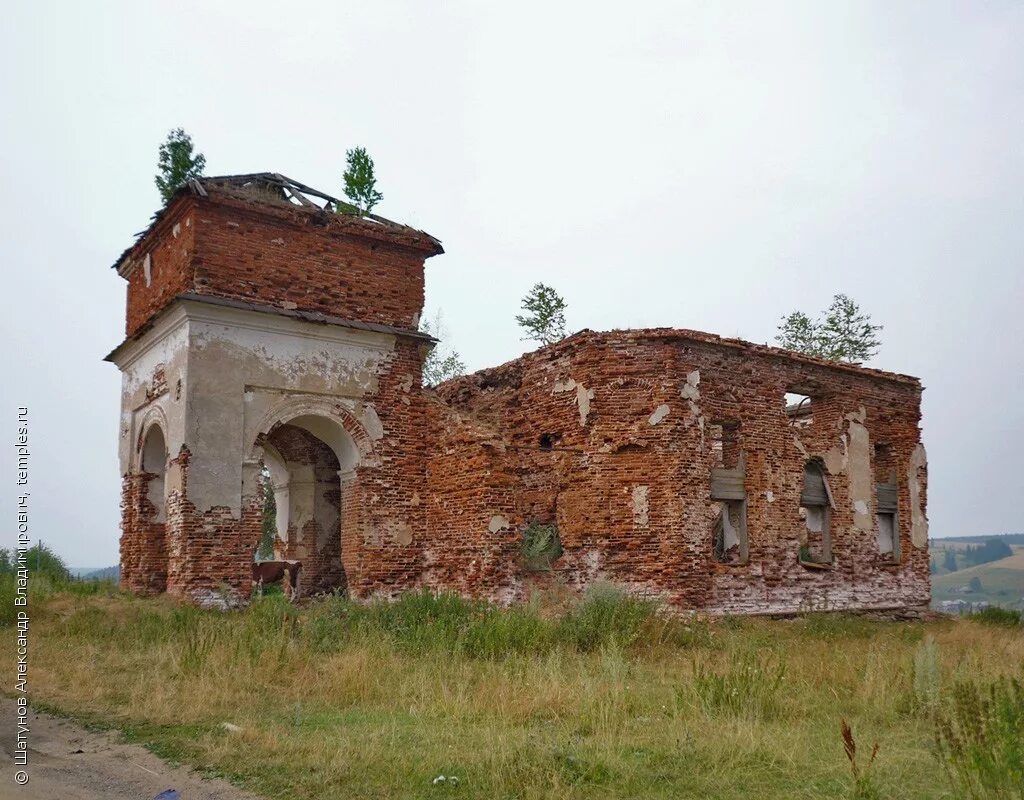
x,y
176,163
544,320
360,182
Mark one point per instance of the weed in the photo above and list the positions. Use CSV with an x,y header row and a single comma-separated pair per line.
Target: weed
x,y
541,546
605,616
748,685
996,615
864,787
980,739
927,676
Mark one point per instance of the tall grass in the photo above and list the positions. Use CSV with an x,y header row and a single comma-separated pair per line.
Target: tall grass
x,y
603,696
980,739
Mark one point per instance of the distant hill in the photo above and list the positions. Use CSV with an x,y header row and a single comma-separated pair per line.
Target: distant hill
x,y
1009,538
1002,582
103,574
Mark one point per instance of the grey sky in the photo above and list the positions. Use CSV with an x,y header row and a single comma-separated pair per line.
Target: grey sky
x,y
709,166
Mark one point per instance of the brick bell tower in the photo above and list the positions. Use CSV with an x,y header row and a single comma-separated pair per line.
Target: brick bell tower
x,y
271,345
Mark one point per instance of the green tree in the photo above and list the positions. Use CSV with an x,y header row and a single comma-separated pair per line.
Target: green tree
x,y
177,163
974,584
360,182
949,561
933,567
844,333
440,364
544,320
268,532
39,560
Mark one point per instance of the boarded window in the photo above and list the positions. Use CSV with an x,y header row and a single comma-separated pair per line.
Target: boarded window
x,y
886,520
729,534
816,511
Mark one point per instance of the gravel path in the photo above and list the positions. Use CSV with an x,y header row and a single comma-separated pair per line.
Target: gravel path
x,y
67,762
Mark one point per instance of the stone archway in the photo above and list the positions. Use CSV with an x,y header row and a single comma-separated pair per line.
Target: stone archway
x,y
313,452
144,544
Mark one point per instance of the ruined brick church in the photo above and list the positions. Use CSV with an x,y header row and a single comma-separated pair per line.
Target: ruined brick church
x,y
268,335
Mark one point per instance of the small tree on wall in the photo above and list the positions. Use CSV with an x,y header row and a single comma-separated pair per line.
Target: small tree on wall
x,y
544,317
176,163
441,362
360,181
843,334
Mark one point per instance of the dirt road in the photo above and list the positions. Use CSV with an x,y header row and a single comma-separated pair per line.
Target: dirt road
x,y
67,762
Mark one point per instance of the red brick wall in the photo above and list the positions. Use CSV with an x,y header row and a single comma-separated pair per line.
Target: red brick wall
x,y
278,256
171,248
294,260
587,482
144,541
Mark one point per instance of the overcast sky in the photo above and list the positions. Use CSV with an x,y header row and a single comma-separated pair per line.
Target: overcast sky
x,y
708,166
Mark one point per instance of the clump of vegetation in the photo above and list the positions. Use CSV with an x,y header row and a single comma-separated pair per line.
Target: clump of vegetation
x,y
540,546
864,787
979,739
747,686
360,181
927,677
606,616
543,319
442,362
176,163
996,615
844,333
986,552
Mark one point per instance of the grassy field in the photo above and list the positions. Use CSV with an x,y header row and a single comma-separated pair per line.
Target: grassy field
x,y
601,698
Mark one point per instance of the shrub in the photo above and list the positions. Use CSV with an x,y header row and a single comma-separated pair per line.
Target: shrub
x,y
864,787
978,739
926,674
541,546
996,615
497,633
605,616
748,685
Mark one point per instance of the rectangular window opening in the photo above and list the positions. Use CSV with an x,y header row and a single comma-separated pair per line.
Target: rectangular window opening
x,y
728,475
816,512
798,407
886,503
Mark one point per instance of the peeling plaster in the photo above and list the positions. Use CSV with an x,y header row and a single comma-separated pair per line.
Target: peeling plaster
x,y
583,398
918,519
769,496
401,533
837,458
498,523
690,390
641,506
371,422
659,414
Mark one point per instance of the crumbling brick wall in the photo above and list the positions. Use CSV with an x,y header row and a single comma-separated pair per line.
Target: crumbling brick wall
x,y
276,255
610,436
616,439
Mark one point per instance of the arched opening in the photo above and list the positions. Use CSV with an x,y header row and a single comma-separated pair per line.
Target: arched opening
x,y
152,552
307,461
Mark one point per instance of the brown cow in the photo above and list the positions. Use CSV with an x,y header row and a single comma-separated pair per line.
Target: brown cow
x,y
264,572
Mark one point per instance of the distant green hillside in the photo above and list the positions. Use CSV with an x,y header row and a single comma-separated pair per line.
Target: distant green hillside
x,y
1002,582
1009,538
